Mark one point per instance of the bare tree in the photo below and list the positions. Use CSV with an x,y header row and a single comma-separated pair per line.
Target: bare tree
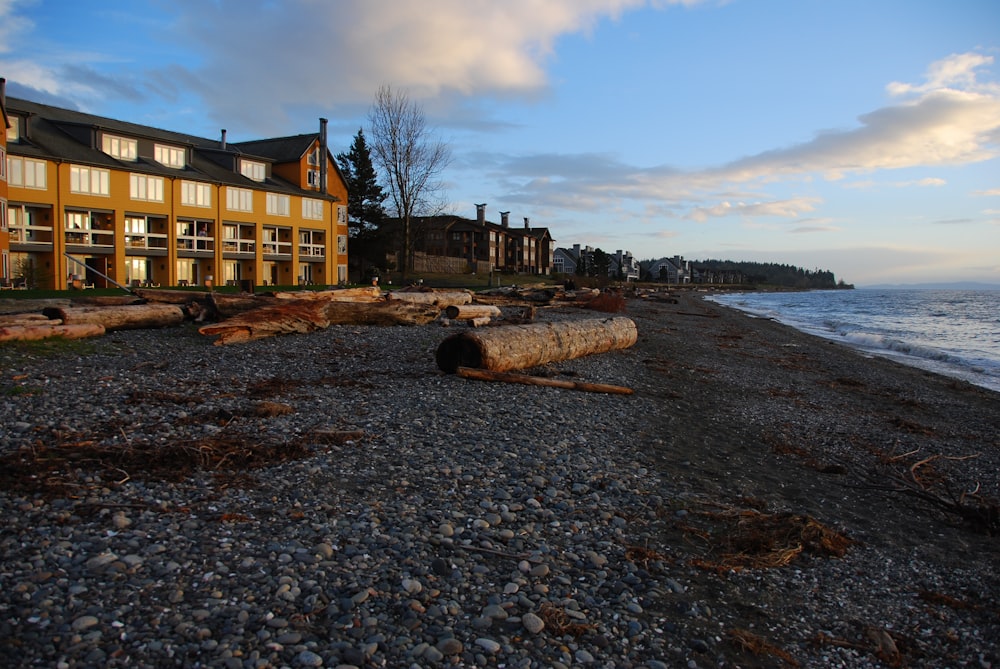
x,y
410,159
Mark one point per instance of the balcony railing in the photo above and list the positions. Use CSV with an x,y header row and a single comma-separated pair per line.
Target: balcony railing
x,y
239,246
277,248
148,240
80,237
312,250
31,234
195,243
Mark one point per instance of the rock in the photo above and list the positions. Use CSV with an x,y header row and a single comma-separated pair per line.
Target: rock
x,y
532,623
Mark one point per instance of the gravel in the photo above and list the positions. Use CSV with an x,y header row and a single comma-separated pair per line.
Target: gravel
x,y
371,511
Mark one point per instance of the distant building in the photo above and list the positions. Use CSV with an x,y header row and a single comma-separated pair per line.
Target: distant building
x,y
453,244
671,270
621,266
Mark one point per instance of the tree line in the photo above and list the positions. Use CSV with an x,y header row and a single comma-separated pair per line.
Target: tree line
x,y
772,274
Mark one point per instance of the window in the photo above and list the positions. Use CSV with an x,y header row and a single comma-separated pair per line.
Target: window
x,y
89,180
171,156
312,209
313,178
279,205
142,187
26,172
121,148
239,199
196,194
14,131
3,164
341,214
251,169
313,157
341,244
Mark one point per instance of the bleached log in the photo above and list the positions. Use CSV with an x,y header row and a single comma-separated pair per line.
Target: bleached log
x,y
467,311
49,331
302,316
129,317
168,296
440,298
26,319
522,346
363,294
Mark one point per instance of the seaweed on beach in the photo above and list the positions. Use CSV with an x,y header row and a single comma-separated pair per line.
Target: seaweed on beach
x,y
752,539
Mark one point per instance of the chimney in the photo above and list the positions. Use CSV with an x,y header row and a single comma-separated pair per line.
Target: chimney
x,y
576,250
322,155
222,143
481,213
526,223
504,220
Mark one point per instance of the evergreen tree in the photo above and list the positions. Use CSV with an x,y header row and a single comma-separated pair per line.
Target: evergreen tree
x,y
364,194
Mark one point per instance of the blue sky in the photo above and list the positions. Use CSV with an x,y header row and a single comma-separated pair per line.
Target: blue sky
x,y
859,136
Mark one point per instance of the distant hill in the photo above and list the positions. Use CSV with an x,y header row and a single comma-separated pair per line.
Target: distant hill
x,y
954,285
773,274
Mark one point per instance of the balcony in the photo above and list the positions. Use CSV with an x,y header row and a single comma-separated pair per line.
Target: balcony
x,y
90,238
195,243
146,241
315,251
30,235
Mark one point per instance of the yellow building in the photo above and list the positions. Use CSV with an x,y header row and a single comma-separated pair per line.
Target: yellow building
x,y
93,201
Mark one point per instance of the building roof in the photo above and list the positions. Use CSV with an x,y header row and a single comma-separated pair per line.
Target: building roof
x,y
58,134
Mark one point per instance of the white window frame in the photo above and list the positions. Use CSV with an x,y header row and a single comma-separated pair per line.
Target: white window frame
x,y
342,245
120,148
278,204
19,174
89,180
313,177
170,156
253,170
145,187
196,194
312,209
341,215
239,199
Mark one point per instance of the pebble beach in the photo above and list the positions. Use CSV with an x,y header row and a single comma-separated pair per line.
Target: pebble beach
x,y
335,500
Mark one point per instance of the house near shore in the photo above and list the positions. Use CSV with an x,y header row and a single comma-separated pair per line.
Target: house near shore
x,y
94,201
622,265
451,244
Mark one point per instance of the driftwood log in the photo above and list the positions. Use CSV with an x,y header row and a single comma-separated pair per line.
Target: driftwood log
x,y
511,377
439,298
464,312
221,305
522,346
9,320
302,316
364,294
129,317
50,330
167,296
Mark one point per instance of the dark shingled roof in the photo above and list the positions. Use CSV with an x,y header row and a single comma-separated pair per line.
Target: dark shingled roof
x,y
59,134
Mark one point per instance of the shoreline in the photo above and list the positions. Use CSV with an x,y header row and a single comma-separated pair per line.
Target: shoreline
x,y
431,519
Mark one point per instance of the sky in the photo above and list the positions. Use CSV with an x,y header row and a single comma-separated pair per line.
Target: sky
x,y
856,136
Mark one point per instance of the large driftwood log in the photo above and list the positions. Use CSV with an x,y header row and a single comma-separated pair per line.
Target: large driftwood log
x,y
10,320
302,316
49,331
129,317
510,377
364,294
223,306
440,298
522,346
462,312
106,300
167,296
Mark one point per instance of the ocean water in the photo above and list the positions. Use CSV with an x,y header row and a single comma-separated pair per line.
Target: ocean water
x,y
951,332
